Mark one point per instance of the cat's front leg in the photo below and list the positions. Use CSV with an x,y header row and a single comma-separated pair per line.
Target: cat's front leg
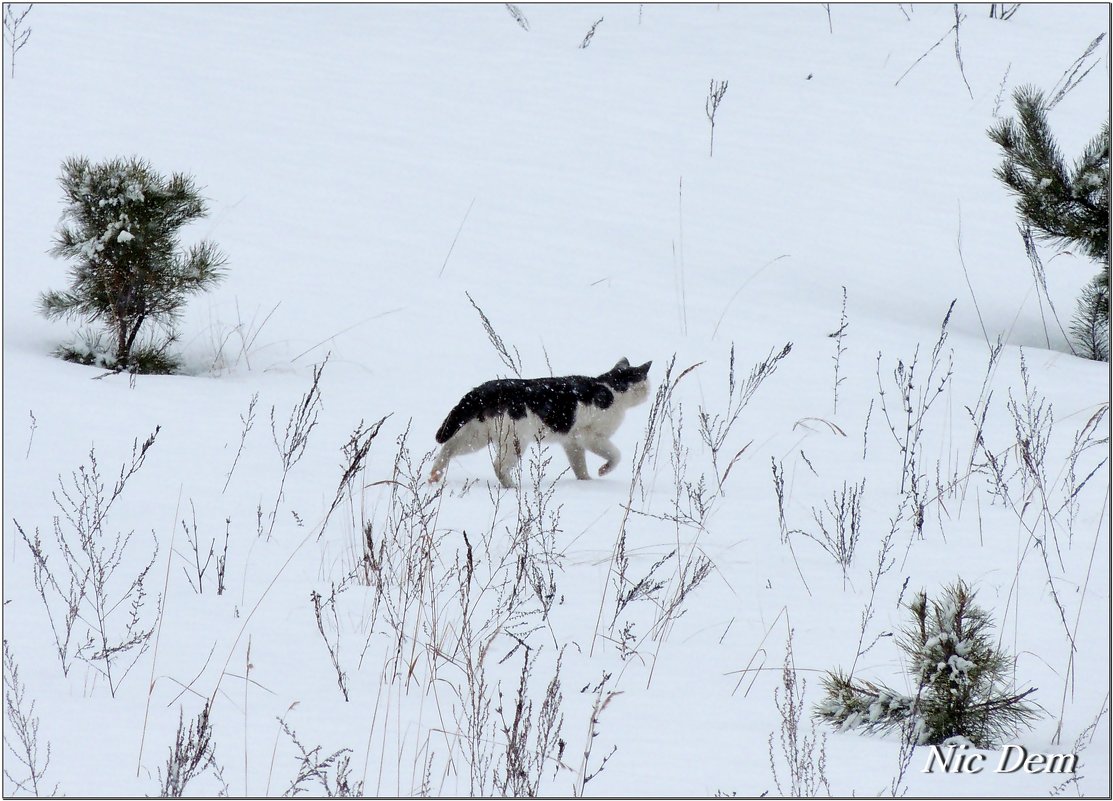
x,y
575,455
601,446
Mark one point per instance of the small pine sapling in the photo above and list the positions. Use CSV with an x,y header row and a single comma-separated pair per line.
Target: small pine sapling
x,y
960,674
1090,325
119,231
1065,206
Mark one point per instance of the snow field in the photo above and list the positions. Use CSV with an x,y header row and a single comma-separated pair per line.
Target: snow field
x,y
367,166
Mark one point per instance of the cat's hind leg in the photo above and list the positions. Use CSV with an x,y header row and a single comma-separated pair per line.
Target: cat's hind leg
x,y
507,436
468,439
439,464
507,456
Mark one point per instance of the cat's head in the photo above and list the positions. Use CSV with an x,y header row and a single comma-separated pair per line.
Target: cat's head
x,y
630,383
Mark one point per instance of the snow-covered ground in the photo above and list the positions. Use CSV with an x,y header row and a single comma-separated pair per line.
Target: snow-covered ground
x,y
369,168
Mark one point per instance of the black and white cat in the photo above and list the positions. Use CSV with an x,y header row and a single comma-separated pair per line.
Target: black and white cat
x,y
579,412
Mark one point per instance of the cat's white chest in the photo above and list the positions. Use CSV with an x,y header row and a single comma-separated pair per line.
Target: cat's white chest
x,y
591,421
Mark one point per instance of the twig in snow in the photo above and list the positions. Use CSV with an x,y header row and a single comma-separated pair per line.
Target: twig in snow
x,y
958,52
714,97
1071,78
14,34
453,245
590,34
518,16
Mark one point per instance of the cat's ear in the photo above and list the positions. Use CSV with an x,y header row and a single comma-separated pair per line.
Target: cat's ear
x,y
644,369
623,364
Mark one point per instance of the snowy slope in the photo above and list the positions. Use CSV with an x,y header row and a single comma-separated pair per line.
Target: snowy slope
x,y
366,167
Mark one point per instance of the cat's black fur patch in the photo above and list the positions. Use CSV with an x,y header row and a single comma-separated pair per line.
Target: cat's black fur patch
x,y
553,400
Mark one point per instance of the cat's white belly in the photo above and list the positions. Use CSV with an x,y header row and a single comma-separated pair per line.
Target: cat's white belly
x,y
591,422
477,434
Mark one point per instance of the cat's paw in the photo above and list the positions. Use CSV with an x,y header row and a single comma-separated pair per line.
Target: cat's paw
x,y
606,468
435,476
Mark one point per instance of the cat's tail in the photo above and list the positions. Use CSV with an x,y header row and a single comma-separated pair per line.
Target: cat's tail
x,y
484,400
453,423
